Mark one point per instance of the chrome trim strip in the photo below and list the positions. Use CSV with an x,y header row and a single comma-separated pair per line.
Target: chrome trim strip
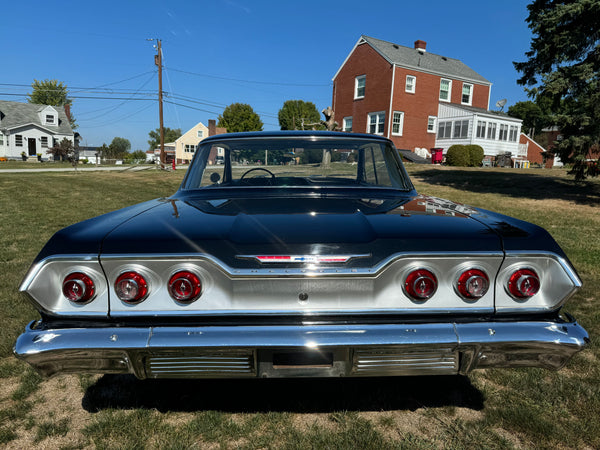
x,y
34,270
125,349
302,259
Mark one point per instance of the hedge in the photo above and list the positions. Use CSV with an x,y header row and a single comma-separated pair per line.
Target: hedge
x,y
464,155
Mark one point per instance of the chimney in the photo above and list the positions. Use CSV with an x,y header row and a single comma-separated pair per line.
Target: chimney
x,y
212,127
68,111
420,45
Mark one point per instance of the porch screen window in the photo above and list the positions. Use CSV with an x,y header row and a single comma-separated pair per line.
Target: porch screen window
x,y
445,87
491,130
44,141
445,130
397,123
503,134
359,85
481,129
376,123
466,93
18,140
461,129
512,137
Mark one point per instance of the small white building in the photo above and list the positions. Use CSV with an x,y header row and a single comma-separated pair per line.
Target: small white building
x,y
28,129
495,132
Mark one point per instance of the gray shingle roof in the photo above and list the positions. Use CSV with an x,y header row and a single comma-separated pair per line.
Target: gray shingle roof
x,y
425,61
15,114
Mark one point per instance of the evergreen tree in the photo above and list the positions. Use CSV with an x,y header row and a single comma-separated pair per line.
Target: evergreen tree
x,y
564,66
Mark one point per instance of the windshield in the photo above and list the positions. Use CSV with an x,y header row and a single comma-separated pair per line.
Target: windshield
x,y
296,162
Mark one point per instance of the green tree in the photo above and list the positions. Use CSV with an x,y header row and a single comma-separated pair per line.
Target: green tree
x,y
51,92
64,151
171,135
564,65
240,117
297,114
118,149
534,119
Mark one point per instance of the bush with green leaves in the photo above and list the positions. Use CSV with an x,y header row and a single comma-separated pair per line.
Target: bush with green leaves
x,y
475,155
458,155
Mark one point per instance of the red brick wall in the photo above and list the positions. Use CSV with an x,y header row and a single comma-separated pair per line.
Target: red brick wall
x,y
535,152
363,61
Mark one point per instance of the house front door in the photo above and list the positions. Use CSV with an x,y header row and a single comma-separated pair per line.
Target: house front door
x,y
31,146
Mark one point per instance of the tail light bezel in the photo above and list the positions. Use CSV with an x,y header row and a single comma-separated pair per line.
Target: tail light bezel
x,y
186,273
514,291
84,280
136,275
464,274
412,276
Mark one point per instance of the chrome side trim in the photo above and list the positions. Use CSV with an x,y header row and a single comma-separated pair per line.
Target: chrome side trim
x,y
221,351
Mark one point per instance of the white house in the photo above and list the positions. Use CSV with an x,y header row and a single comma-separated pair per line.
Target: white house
x,y
29,129
495,132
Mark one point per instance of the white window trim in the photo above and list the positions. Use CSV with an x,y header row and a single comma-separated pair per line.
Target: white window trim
x,y
345,121
470,102
434,130
53,122
414,84
360,77
200,133
379,133
399,133
449,90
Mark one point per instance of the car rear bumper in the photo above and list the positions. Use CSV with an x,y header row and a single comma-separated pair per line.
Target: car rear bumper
x,y
300,350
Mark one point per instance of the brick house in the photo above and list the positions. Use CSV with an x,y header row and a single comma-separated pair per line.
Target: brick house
x,y
406,94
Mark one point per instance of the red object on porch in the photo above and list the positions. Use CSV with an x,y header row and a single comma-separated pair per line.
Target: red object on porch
x,y
437,155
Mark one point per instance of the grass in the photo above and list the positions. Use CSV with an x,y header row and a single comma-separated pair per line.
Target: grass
x,y
489,409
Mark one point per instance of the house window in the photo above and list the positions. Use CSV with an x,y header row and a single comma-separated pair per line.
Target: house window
x,y
376,123
190,148
347,125
466,94
445,130
44,141
397,123
359,86
461,129
49,119
445,89
431,120
200,133
54,142
491,130
481,129
503,134
18,140
411,82
512,137
2,139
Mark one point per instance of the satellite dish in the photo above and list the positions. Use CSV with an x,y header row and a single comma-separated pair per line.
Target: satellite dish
x,y
500,103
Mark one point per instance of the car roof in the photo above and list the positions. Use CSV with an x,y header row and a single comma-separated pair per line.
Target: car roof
x,y
294,133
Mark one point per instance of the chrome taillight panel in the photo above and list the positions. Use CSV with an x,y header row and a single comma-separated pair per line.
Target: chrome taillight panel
x,y
44,285
558,282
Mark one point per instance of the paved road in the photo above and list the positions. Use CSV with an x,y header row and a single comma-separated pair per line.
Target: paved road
x,y
81,169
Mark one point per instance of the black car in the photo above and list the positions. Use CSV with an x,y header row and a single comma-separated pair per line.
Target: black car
x,y
304,254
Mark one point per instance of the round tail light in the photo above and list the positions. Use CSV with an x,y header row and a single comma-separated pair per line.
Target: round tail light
x,y
524,283
473,284
131,287
185,287
78,287
420,284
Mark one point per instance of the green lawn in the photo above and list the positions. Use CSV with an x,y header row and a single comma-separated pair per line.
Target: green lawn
x,y
491,408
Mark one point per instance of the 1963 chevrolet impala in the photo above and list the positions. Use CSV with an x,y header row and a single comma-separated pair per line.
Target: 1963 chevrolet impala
x,y
299,254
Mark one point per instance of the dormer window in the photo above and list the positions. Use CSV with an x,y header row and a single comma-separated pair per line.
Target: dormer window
x,y
50,119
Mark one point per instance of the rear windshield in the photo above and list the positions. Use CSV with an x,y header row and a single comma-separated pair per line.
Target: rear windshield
x,y
296,162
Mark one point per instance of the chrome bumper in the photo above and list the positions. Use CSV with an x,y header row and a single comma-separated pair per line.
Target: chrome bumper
x,y
301,350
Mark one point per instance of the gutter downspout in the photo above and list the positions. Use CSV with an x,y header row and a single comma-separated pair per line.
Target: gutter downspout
x,y
390,114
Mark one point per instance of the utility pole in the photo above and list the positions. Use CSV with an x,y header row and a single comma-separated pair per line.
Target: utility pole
x,y
158,63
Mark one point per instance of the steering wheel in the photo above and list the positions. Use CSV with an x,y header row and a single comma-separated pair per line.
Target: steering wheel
x,y
258,168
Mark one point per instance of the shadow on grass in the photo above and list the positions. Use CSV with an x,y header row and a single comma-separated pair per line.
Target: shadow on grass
x,y
306,395
534,185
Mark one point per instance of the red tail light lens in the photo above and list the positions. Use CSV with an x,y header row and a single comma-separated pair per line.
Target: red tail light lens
x,y
185,286
420,284
131,287
524,283
473,284
78,287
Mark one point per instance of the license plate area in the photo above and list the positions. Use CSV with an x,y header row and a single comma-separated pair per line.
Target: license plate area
x,y
303,362
304,359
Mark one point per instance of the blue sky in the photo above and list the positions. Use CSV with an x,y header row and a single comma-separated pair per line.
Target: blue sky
x,y
224,51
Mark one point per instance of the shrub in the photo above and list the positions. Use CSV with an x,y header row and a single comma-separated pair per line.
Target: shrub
x,y
458,155
475,155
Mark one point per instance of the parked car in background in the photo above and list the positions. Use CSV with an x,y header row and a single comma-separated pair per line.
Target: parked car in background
x,y
305,254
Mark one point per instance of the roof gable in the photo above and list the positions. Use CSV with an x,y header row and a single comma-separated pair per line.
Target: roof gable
x,y
419,60
16,114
